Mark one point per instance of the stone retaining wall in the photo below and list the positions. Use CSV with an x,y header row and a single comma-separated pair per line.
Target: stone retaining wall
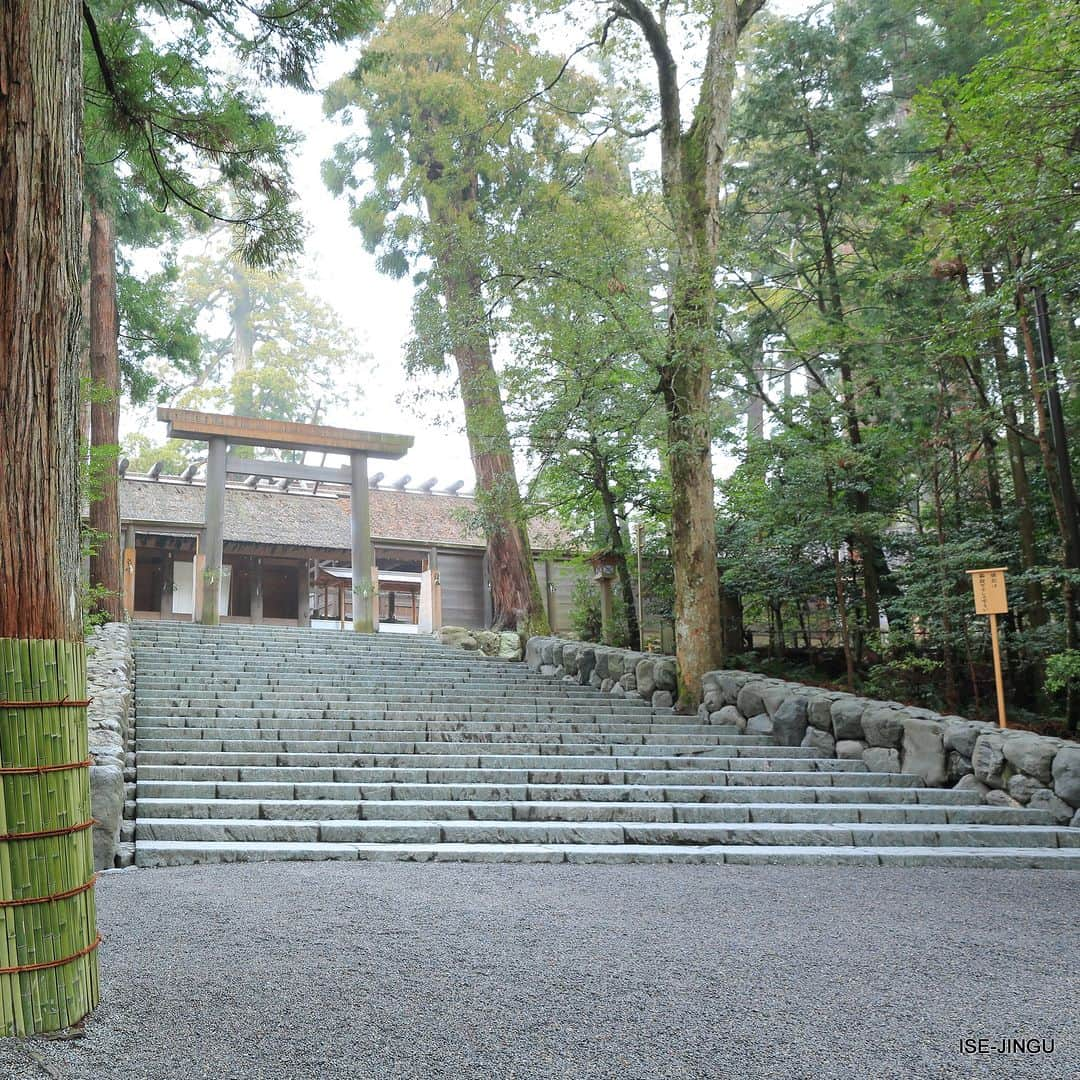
x,y
110,670
615,671
503,644
1007,767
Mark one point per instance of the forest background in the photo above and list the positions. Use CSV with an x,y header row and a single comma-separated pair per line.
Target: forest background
x,y
884,355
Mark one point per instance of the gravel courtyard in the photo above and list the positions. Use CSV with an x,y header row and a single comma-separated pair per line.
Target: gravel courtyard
x,y
350,971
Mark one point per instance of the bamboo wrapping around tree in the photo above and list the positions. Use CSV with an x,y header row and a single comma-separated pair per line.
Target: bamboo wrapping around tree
x,y
46,881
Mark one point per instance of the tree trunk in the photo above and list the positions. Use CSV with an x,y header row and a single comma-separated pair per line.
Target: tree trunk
x,y
1025,519
691,174
104,413
841,610
616,545
84,339
515,592
42,658
948,652
686,385
40,227
755,405
832,306
243,344
1058,469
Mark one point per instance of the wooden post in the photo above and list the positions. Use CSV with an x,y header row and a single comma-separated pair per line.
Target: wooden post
x,y
436,589
129,572
998,682
607,612
991,599
167,586
489,600
257,592
215,532
303,595
549,595
640,594
363,619
198,564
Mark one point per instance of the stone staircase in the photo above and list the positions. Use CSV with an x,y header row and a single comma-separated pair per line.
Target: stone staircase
x,y
278,743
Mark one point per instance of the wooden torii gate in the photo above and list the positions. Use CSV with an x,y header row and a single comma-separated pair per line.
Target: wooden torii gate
x,y
219,430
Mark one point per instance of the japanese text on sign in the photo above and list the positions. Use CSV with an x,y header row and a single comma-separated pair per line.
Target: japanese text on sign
x,y
989,588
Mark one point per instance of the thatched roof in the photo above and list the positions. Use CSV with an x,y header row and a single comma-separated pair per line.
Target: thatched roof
x,y
300,519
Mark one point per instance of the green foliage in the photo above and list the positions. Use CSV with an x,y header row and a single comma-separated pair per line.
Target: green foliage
x,y
585,610
1063,671
902,177
911,679
175,454
178,137
585,620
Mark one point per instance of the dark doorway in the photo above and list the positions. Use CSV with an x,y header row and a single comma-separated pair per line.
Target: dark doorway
x,y
149,579
281,598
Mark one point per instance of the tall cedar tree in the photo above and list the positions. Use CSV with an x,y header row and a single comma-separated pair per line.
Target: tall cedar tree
x,y
40,614
459,142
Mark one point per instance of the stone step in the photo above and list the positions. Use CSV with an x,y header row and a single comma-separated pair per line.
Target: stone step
x,y
403,728
552,775
183,853
553,746
822,834
281,673
148,758
351,691
338,682
460,700
226,713
506,742
634,741
259,743
471,759
331,728
421,810
587,762
247,657
521,792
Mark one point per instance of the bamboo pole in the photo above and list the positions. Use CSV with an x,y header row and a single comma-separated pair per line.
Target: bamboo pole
x,y
47,911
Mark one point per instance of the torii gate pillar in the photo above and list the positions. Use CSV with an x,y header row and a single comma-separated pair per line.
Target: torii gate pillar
x,y
215,532
363,586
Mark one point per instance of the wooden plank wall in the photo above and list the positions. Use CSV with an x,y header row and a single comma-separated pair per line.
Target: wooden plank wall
x,y
462,578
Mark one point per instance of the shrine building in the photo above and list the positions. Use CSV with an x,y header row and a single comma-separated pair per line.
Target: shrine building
x,y
282,539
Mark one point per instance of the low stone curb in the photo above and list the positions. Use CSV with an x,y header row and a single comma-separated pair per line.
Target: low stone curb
x,y
621,672
1006,767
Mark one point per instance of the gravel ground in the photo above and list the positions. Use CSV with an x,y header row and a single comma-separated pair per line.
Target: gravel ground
x,y
350,971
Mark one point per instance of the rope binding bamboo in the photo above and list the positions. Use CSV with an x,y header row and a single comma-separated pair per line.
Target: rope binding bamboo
x,y
66,831
52,963
65,895
62,703
15,770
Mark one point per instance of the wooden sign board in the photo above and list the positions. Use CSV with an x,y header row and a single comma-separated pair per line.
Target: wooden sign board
x,y
989,587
